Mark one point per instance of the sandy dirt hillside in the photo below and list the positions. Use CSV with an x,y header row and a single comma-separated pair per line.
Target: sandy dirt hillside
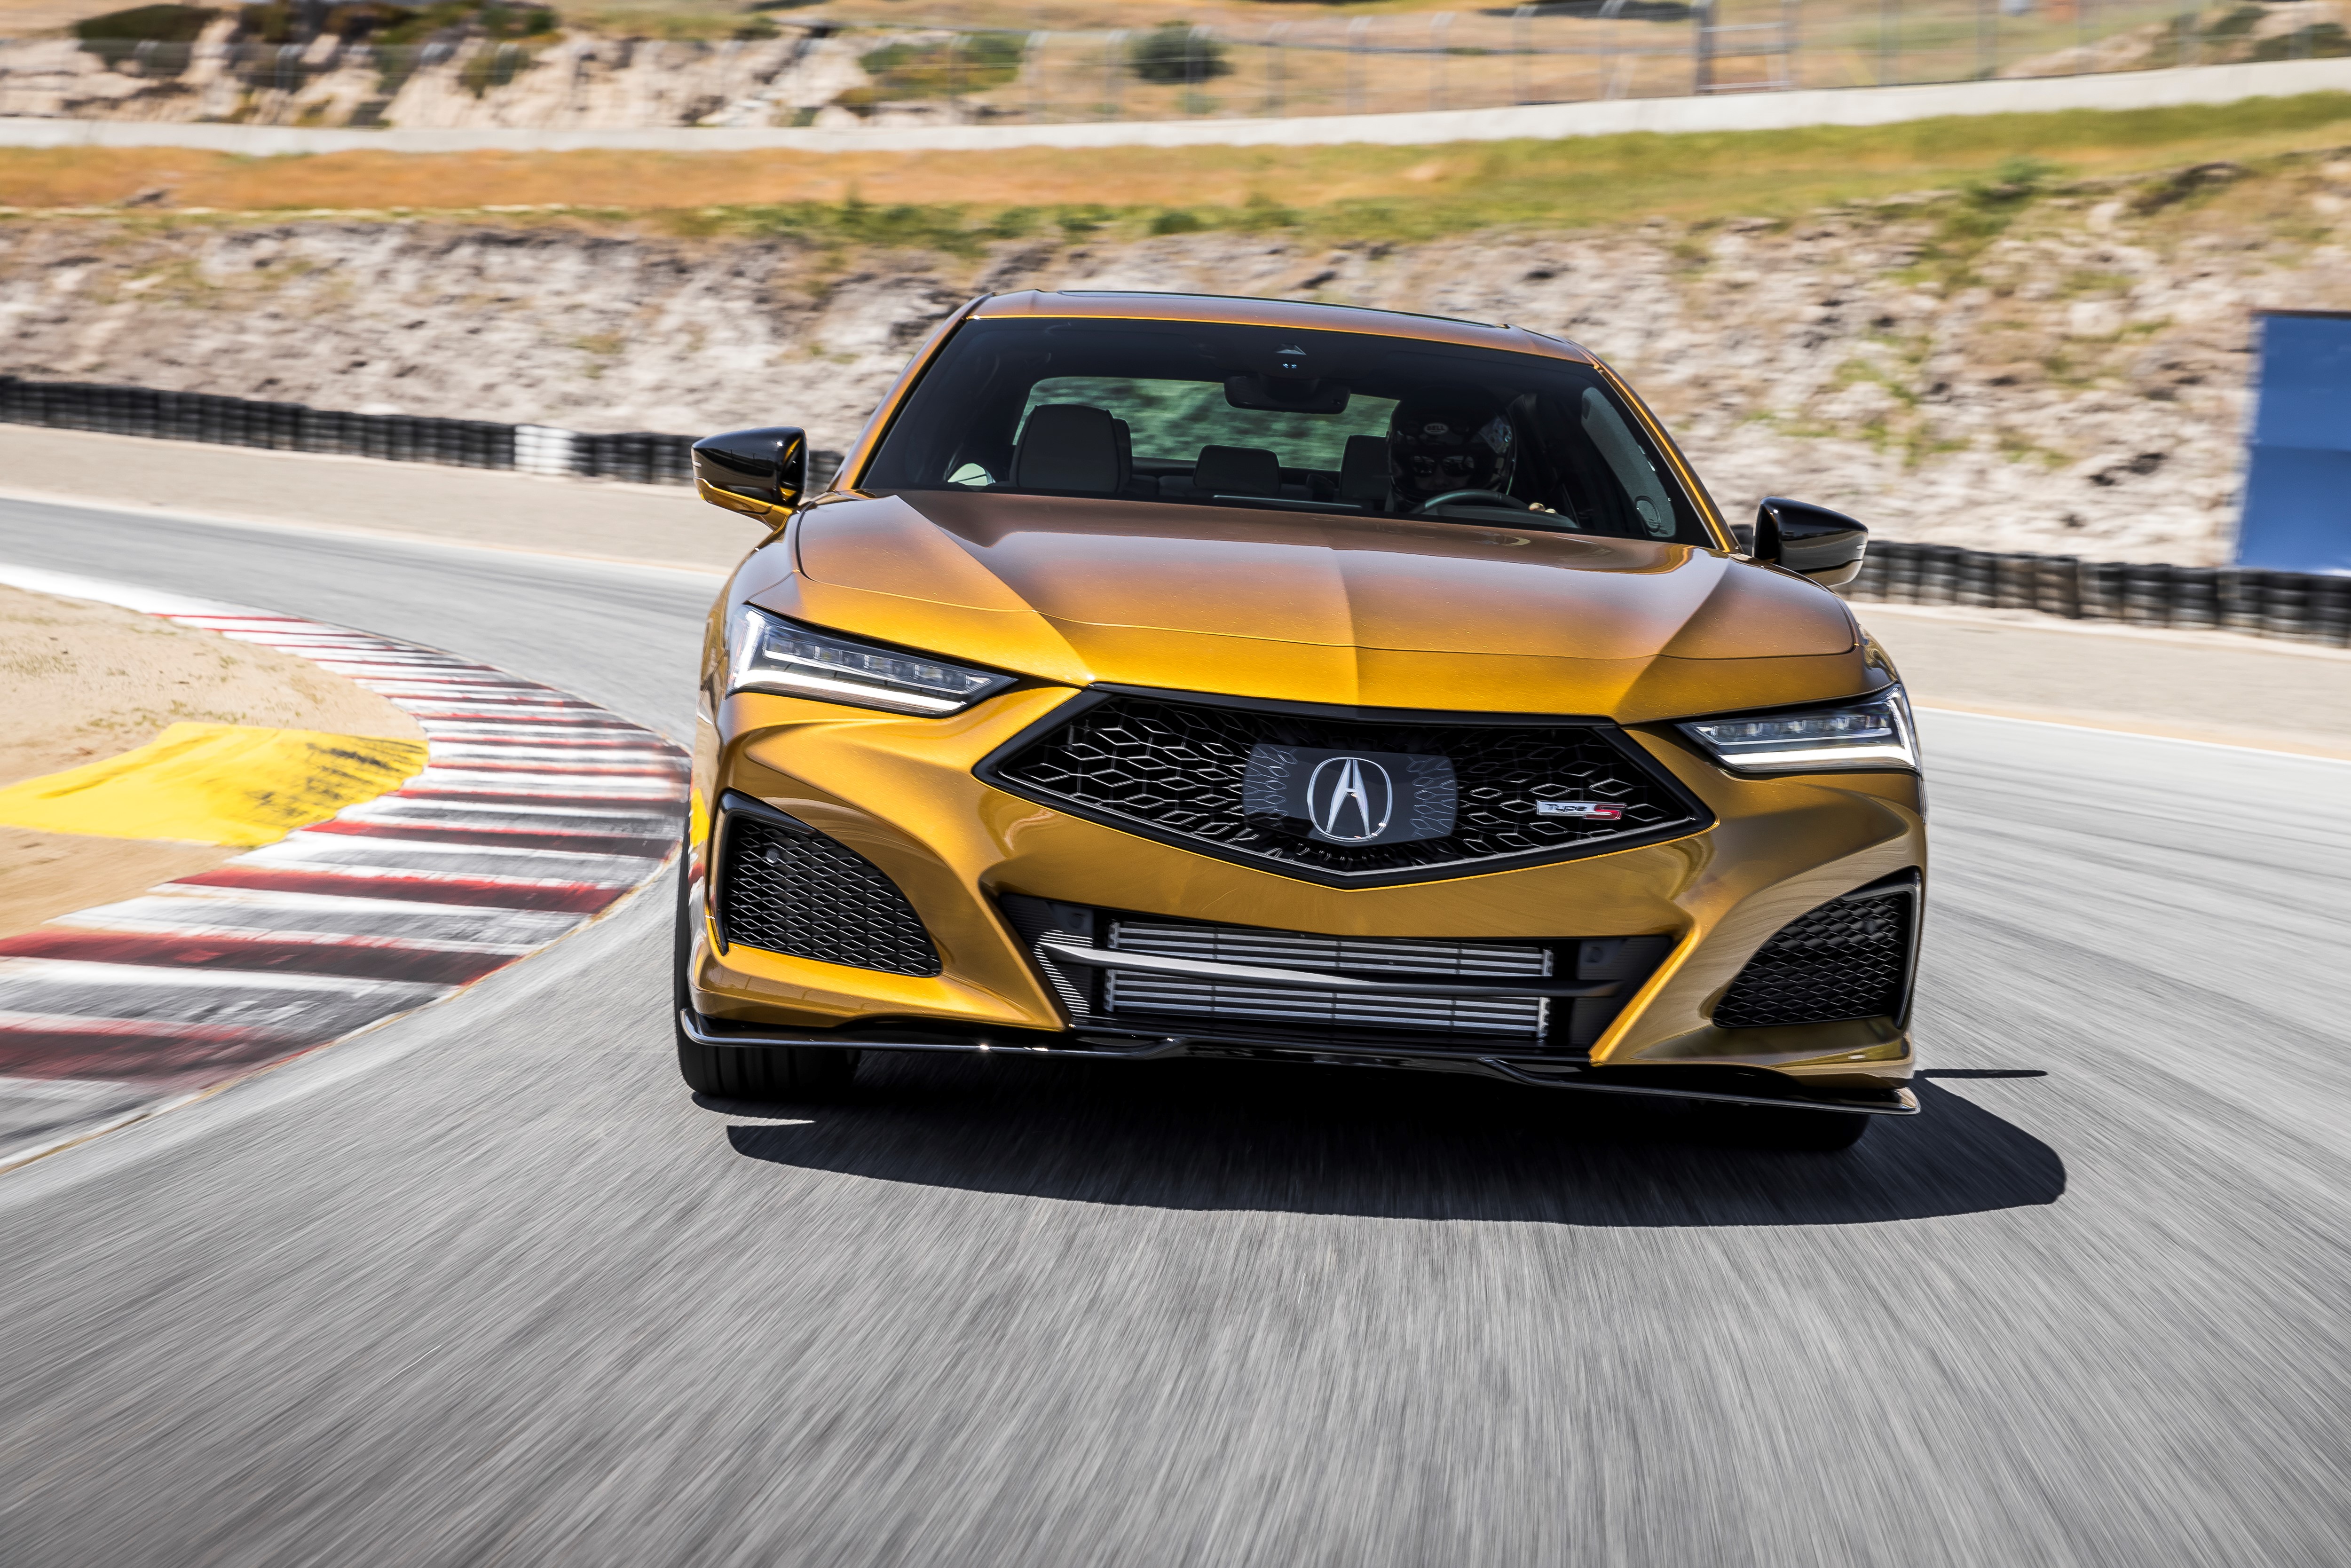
x,y
2013,366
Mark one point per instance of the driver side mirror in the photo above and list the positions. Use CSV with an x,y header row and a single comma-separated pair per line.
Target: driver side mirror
x,y
760,473
1825,546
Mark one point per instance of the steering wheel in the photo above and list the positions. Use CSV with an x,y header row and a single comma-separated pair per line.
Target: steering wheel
x,y
1486,498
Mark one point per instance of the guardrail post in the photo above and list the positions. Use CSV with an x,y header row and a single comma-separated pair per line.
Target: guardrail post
x,y
1439,25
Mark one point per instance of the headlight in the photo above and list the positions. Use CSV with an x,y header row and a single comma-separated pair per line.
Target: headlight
x,y
1874,731
770,654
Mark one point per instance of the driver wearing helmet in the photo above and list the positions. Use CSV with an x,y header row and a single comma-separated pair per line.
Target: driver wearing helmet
x,y
1451,439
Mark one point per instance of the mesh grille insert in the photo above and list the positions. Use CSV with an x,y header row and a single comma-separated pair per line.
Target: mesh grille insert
x,y
791,890
1178,770
1850,959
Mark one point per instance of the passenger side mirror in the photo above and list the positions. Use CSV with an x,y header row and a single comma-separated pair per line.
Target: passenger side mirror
x,y
1825,546
760,473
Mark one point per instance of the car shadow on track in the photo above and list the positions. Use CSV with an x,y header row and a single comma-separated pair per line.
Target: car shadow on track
x,y
1216,1135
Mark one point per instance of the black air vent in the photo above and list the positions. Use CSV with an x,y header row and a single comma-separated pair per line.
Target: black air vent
x,y
1228,1008
787,888
1182,771
1849,959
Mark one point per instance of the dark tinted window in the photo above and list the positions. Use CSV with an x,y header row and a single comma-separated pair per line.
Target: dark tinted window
x,y
1253,416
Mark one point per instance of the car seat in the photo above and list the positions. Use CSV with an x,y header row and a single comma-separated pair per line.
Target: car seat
x,y
1069,446
1237,471
1364,471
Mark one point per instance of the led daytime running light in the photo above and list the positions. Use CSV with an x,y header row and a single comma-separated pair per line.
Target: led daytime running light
x,y
1872,732
772,654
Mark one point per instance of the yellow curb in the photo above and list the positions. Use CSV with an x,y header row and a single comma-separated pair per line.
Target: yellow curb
x,y
214,784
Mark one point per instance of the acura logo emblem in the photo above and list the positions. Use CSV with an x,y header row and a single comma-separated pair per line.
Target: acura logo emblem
x,y
1348,798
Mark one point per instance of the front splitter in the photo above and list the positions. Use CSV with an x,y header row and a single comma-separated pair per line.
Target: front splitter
x,y
1721,1086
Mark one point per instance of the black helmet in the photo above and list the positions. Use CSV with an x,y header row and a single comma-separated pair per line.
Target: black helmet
x,y
1450,438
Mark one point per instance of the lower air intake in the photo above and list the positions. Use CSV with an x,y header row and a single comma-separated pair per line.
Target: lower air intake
x,y
1849,959
1245,1008
786,888
1131,992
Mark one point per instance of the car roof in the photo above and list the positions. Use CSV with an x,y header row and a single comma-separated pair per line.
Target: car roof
x,y
1137,305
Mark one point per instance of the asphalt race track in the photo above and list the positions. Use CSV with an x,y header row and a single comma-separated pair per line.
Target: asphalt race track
x,y
486,1286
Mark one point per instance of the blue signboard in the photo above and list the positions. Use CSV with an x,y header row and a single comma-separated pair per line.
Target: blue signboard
x,y
2298,483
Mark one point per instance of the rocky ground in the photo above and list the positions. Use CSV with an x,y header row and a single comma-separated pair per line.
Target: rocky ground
x,y
2014,367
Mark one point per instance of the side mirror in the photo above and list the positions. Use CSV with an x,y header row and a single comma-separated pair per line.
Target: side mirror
x,y
1825,546
760,473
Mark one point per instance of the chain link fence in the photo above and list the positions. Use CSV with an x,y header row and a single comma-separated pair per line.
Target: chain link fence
x,y
815,72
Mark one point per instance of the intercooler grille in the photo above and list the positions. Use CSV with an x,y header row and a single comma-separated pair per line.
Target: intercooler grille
x,y
1130,991
789,889
1849,959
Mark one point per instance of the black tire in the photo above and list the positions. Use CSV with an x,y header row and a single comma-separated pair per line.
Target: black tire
x,y
765,1071
743,1072
1769,1127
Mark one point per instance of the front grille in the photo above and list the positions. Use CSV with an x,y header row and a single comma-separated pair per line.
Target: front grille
x,y
1848,959
1129,992
787,888
1280,1014
1184,772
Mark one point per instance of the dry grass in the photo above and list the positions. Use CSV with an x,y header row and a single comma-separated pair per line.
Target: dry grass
x,y
946,198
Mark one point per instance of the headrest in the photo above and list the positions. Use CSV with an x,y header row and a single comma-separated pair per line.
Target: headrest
x,y
1237,471
1068,446
1363,470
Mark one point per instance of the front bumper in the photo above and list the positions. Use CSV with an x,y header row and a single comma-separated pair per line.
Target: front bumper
x,y
1721,1086
901,792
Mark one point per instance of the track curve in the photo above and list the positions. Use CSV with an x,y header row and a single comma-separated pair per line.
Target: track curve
x,y
487,1286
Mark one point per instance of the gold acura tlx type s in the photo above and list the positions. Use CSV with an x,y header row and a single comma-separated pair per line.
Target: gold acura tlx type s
x,y
1168,675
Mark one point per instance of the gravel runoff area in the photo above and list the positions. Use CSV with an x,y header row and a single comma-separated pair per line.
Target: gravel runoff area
x,y
86,681
2194,686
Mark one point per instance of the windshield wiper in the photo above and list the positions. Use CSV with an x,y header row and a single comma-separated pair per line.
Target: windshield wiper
x,y
1286,503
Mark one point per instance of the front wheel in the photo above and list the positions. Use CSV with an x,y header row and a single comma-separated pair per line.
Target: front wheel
x,y
742,1071
765,1071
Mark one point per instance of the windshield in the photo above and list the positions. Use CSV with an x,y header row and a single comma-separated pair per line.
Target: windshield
x,y
1215,414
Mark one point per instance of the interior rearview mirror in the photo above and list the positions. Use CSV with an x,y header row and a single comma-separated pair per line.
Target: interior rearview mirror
x,y
1825,546
760,473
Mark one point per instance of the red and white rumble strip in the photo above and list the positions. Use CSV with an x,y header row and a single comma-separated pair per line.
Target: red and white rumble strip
x,y
535,811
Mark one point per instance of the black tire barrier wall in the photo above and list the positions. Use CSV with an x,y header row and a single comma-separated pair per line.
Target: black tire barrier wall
x,y
643,458
2301,606
2304,607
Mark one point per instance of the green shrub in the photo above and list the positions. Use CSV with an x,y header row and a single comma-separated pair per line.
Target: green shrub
x,y
967,63
164,24
1174,52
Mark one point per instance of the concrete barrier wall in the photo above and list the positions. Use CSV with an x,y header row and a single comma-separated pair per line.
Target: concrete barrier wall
x,y
1737,111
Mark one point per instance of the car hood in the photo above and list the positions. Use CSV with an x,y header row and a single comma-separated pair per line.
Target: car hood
x,y
1370,611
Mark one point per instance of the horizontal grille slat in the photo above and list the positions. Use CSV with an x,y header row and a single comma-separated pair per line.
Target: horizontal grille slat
x,y
1128,991
1132,993
1274,950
